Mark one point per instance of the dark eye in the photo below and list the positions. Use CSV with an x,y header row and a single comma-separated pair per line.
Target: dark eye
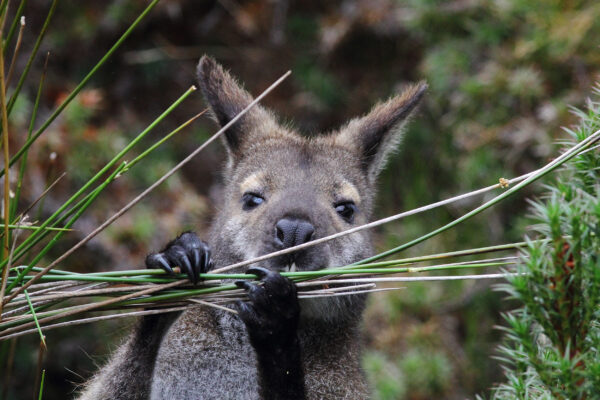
x,y
346,210
251,200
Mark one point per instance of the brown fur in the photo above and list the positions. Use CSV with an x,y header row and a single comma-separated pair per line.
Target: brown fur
x,y
205,353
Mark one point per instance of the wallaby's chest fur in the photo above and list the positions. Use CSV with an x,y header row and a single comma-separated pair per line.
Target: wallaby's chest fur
x,y
219,353
281,189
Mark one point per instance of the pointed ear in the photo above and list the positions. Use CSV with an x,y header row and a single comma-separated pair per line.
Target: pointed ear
x,y
375,135
226,99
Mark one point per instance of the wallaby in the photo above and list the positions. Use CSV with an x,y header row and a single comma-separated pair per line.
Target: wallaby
x,y
281,189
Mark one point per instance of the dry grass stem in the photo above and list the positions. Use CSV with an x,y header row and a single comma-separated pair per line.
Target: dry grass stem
x,y
413,279
90,307
42,195
209,304
6,201
73,294
96,319
16,51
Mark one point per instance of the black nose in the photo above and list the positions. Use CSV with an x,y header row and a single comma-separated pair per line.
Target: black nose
x,y
292,232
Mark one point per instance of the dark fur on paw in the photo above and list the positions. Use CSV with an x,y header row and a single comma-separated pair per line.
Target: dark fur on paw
x,y
272,314
187,252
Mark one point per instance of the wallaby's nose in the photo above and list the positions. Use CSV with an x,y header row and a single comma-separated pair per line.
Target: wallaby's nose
x,y
292,232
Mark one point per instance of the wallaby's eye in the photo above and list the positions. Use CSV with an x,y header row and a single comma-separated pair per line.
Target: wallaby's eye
x,y
251,200
346,210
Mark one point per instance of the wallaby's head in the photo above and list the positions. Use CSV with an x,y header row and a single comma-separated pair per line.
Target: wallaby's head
x,y
283,189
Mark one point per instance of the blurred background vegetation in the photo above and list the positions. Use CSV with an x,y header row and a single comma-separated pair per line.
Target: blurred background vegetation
x,y
502,75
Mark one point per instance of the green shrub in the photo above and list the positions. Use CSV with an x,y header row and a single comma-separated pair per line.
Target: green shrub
x,y
552,341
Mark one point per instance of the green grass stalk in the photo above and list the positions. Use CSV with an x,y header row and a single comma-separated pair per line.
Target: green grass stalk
x,y
138,277
3,11
164,139
179,294
459,253
42,384
54,271
37,324
33,227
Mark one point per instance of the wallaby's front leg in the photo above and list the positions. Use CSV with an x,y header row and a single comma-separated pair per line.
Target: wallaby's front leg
x,y
271,318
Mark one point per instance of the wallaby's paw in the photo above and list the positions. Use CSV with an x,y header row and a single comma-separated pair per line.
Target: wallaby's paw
x,y
271,316
187,252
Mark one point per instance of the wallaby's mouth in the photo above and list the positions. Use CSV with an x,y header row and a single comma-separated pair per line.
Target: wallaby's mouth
x,y
302,261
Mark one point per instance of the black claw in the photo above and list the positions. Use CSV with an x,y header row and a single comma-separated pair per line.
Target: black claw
x,y
196,253
197,273
259,271
240,284
204,260
188,267
164,264
247,286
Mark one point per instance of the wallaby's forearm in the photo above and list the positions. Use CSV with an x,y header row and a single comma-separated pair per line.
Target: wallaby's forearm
x,y
128,374
271,317
280,373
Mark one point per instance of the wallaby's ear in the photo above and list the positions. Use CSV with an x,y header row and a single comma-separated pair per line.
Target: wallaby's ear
x,y
378,133
226,99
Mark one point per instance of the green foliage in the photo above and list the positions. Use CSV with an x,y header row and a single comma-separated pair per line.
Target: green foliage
x,y
318,82
386,377
421,372
427,373
552,342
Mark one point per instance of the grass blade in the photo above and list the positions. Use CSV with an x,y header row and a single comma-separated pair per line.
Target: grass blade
x,y
37,324
42,384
